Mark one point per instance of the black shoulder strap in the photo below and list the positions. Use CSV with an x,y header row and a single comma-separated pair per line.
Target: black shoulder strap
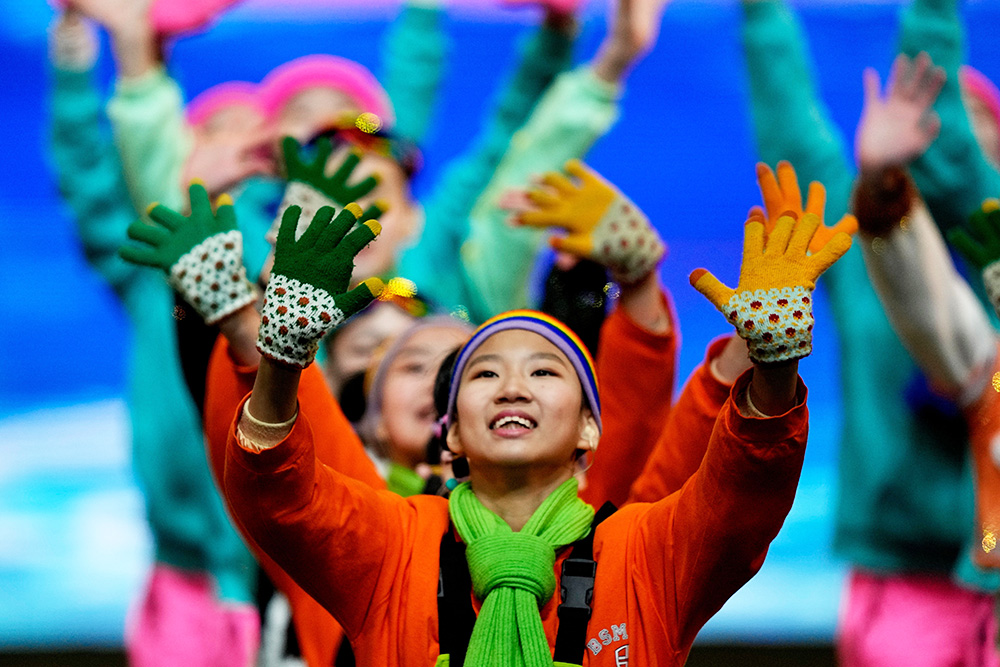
x,y
456,616
455,613
577,584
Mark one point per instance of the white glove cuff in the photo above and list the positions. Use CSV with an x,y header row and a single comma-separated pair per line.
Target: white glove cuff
x,y
294,317
211,277
777,323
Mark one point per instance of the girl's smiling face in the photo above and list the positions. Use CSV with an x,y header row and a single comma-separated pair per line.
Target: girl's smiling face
x,y
520,404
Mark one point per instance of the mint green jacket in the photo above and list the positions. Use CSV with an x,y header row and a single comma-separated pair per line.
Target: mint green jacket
x,y
188,522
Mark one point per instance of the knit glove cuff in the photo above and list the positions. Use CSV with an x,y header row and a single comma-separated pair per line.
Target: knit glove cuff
x,y
295,316
991,281
776,323
626,242
211,277
305,196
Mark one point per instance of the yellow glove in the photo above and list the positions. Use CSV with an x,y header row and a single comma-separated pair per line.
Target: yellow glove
x,y
601,223
782,194
771,306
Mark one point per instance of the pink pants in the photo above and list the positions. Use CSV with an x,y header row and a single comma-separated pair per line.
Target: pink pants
x,y
180,621
915,621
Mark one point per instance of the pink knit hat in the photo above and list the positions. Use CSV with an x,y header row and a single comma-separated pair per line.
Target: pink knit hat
x,y
976,83
325,71
218,97
170,17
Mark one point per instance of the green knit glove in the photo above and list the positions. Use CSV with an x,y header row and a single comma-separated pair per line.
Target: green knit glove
x,y
308,295
981,246
201,253
310,188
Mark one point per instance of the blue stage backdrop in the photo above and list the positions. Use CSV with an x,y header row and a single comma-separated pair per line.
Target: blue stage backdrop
x,y
73,550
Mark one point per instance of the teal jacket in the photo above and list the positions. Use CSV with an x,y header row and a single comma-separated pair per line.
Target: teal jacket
x,y
905,499
187,519
434,261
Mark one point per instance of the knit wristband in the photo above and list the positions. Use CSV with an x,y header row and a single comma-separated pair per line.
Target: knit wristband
x,y
294,317
776,323
991,281
626,242
308,198
881,202
211,277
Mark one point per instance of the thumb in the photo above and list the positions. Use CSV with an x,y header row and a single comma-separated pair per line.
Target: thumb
x,y
710,287
580,245
359,297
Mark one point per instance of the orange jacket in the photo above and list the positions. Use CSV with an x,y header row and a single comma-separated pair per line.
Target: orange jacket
x,y
664,569
684,439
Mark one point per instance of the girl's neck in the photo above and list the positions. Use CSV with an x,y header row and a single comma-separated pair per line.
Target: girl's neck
x,y
515,497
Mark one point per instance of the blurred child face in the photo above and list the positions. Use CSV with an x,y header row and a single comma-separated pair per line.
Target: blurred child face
x,y
310,111
352,349
984,127
520,404
399,222
236,119
408,414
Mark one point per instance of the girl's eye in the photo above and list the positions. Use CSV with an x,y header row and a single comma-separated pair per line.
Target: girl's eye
x,y
544,372
484,374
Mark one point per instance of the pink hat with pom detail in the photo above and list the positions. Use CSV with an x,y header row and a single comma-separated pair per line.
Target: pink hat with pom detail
x,y
218,97
977,84
326,71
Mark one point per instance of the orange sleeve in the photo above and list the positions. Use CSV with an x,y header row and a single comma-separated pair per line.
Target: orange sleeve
x,y
683,441
701,544
983,419
335,536
636,370
337,445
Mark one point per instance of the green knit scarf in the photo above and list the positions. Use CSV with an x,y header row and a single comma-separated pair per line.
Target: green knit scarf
x,y
512,573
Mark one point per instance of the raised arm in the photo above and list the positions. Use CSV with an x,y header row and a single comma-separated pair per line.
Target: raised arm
x,y
578,108
86,163
719,525
790,120
414,52
543,55
929,304
953,175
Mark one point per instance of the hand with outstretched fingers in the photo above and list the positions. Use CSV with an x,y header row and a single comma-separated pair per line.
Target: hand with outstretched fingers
x,y
771,306
980,244
602,224
201,253
781,194
310,188
897,128
307,295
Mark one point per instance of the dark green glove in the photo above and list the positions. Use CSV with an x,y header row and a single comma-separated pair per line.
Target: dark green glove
x,y
201,253
308,293
981,245
310,188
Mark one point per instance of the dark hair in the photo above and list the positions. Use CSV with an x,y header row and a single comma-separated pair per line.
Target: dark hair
x,y
442,385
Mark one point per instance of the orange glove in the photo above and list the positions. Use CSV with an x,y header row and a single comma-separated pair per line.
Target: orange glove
x,y
771,306
782,194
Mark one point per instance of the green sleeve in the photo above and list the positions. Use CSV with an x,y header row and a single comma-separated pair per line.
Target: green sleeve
x,y
953,176
415,48
147,118
498,259
433,262
89,173
790,121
